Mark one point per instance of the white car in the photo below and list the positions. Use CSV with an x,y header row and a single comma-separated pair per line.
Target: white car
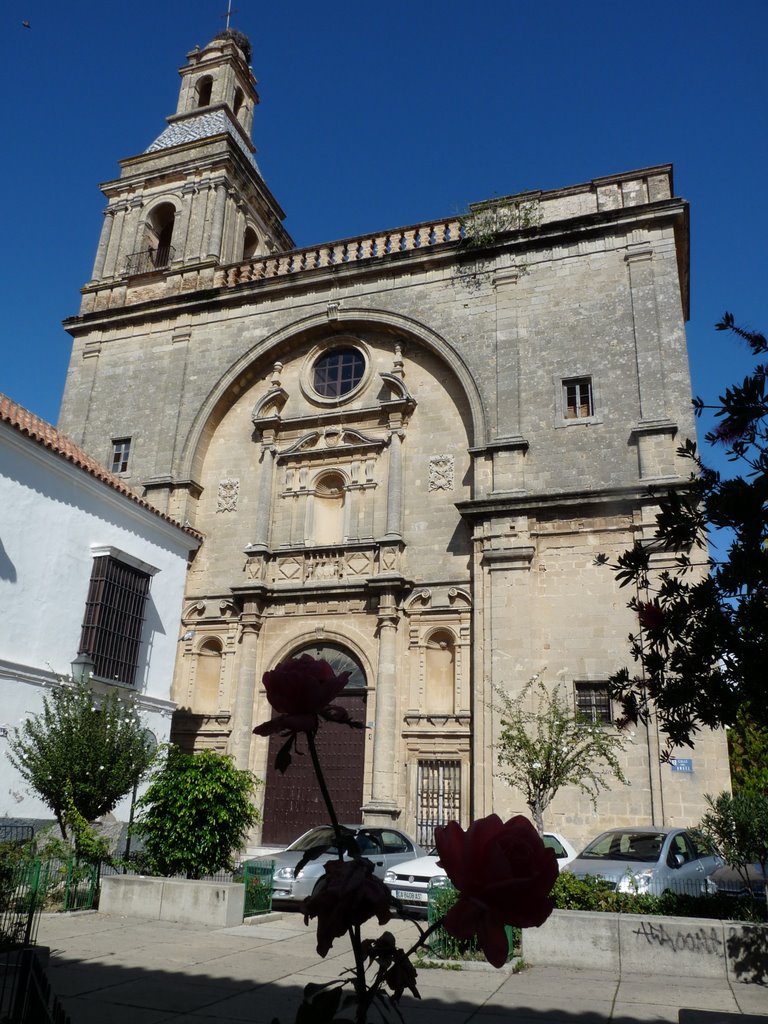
x,y
409,881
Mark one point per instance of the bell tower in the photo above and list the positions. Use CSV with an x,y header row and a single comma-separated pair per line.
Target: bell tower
x,y
195,199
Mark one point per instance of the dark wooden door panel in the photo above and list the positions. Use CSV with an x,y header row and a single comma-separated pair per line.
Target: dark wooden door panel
x,y
293,802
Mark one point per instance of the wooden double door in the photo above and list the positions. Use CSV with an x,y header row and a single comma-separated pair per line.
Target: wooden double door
x,y
293,802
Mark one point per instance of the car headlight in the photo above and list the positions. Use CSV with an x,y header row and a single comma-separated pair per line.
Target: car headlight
x,y
390,877
635,884
284,874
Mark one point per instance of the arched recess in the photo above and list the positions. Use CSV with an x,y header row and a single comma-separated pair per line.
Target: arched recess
x,y
327,527
440,673
240,375
293,802
158,233
208,677
250,243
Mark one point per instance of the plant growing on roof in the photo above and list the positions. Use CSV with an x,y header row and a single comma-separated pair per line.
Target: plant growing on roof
x,y
483,223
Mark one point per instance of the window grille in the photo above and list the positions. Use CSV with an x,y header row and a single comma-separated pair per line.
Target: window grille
x,y
438,798
114,617
577,398
594,702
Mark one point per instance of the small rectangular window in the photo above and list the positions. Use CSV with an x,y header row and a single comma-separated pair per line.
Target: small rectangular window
x,y
594,702
121,453
578,403
114,617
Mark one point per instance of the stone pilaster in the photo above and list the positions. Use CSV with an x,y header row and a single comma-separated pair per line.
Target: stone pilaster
x,y
245,691
101,252
217,224
395,488
382,807
264,506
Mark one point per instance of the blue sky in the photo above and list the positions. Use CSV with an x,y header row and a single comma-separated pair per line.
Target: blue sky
x,y
374,116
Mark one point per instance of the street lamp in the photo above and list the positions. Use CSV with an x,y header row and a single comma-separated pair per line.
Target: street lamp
x,y
82,668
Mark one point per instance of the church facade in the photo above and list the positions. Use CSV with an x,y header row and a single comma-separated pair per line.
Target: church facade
x,y
404,451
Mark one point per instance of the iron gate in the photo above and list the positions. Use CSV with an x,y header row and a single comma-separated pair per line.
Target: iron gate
x,y
438,797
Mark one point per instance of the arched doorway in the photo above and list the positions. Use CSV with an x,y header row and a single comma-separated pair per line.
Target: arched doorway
x,y
293,802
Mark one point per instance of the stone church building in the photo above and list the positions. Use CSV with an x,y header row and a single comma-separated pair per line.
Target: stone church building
x,y
403,450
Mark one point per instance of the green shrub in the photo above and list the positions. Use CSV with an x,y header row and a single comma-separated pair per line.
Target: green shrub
x,y
572,893
196,813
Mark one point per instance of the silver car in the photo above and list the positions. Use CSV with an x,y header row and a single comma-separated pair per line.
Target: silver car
x,y
384,847
650,860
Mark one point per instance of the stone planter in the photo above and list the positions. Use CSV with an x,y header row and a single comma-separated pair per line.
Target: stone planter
x,y
216,904
644,944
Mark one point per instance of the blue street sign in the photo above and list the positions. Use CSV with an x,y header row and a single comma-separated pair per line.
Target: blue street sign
x,y
681,764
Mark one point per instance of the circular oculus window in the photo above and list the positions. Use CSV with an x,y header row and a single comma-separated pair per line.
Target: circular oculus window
x,y
338,372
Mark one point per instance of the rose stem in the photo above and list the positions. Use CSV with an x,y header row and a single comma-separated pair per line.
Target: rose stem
x,y
324,791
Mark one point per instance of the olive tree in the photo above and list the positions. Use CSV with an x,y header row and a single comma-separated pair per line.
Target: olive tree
x,y
84,750
545,744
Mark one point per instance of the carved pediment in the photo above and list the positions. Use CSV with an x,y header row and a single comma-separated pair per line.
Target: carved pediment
x,y
418,602
270,406
398,390
337,438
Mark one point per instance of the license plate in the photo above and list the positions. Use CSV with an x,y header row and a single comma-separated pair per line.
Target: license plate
x,y
414,897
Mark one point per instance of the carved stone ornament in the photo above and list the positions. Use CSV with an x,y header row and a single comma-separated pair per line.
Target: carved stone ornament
x,y
228,493
441,472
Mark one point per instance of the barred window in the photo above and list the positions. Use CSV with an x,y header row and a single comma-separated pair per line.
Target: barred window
x,y
577,398
114,617
593,701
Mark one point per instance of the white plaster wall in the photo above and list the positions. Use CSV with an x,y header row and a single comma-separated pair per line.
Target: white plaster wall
x,y
52,515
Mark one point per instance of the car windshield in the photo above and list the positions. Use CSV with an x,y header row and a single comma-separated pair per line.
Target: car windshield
x,y
636,846
324,836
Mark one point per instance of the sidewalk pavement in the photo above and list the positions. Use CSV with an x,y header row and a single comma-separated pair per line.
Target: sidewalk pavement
x,y
118,970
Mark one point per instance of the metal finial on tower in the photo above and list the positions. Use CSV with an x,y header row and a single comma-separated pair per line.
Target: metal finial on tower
x,y
228,15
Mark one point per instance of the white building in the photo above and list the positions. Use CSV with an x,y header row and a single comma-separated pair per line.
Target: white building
x,y
77,547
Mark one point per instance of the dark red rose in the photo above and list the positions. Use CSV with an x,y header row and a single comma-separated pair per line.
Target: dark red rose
x,y
504,874
650,614
300,690
350,894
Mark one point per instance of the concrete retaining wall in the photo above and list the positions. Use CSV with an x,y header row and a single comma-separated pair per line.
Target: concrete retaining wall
x,y
216,904
680,946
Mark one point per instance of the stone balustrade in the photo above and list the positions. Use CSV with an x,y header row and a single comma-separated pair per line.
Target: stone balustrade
x,y
349,250
495,217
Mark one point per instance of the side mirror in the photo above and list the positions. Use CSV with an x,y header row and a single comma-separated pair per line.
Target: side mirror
x,y
679,860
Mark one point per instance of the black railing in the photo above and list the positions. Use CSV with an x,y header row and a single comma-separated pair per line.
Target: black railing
x,y
149,260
